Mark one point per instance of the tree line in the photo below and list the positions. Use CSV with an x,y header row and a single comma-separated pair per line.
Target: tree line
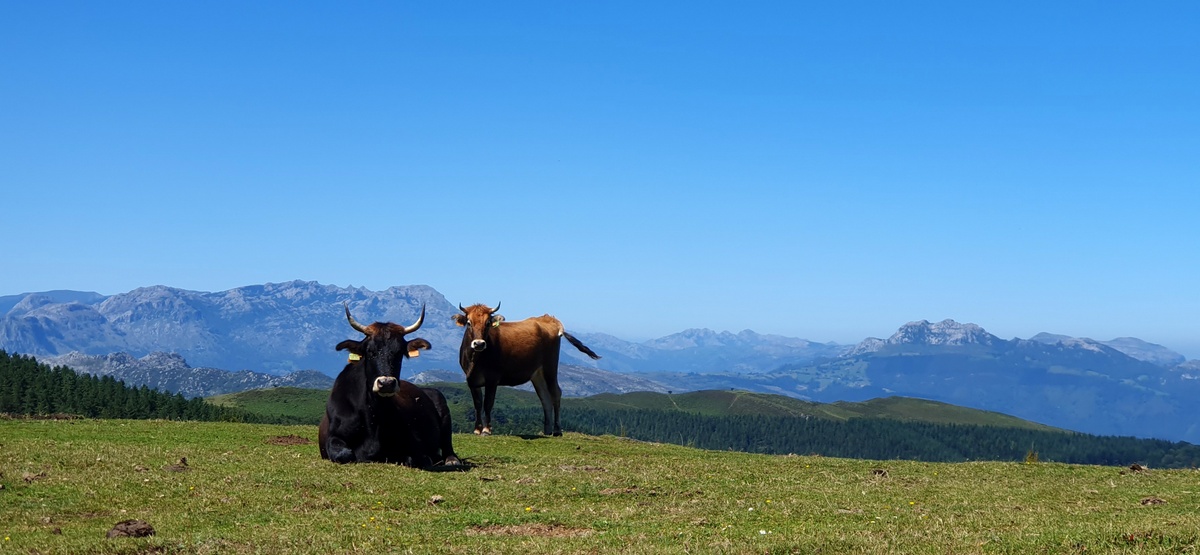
x,y
859,438
28,387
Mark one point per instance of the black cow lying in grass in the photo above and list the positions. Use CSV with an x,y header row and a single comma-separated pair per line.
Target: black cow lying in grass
x,y
373,416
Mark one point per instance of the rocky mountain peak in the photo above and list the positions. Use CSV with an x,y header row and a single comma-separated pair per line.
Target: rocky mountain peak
x,y
946,332
1153,353
29,303
1130,346
689,338
868,345
1050,338
706,338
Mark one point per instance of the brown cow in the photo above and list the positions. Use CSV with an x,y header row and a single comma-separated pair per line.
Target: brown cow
x,y
495,353
373,416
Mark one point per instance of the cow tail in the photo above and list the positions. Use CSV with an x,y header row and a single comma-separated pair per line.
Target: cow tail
x,y
579,345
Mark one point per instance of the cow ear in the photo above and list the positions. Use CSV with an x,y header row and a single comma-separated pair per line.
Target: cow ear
x,y
415,345
496,319
351,345
460,319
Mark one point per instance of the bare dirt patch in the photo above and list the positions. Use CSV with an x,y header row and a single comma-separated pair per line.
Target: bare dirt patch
x,y
538,530
179,466
131,529
289,439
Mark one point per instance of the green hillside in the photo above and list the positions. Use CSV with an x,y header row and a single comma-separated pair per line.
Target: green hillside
x,y
712,403
256,488
730,403
921,410
891,428
291,402
310,403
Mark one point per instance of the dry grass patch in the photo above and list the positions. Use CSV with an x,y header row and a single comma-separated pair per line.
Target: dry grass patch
x,y
536,529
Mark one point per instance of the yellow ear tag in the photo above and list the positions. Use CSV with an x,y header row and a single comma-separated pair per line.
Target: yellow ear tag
x,y
414,353
496,323
353,357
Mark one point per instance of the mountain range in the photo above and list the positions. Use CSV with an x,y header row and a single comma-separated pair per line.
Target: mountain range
x,y
1124,386
278,328
1072,383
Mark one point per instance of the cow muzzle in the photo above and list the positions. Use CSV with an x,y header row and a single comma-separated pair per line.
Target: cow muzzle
x,y
478,345
385,386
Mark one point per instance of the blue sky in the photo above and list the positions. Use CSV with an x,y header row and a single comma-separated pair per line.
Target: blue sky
x,y
819,170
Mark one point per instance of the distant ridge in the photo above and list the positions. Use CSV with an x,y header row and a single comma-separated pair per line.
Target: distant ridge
x,y
1125,386
170,373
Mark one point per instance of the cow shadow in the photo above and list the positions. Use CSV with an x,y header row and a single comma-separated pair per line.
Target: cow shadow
x,y
463,466
532,436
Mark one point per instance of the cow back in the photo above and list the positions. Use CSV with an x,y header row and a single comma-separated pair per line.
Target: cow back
x,y
516,350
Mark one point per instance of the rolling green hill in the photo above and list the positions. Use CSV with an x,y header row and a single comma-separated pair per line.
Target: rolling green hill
x,y
310,403
731,403
890,428
922,410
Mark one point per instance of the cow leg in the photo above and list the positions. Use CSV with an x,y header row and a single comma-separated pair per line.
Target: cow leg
x,y
332,435
477,398
489,400
556,392
444,427
550,375
338,451
370,450
549,407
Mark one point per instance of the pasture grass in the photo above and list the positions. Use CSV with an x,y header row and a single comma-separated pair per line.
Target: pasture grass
x,y
262,489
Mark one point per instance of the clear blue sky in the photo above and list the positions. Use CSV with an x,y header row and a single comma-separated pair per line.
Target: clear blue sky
x,y
825,170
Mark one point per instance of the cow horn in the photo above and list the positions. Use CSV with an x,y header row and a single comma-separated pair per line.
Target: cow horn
x,y
416,324
495,309
464,311
353,324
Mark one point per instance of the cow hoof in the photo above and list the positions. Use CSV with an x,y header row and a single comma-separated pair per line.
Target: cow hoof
x,y
451,461
486,432
557,433
342,457
478,432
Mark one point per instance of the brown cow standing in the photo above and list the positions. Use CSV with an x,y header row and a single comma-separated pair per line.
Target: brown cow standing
x,y
495,353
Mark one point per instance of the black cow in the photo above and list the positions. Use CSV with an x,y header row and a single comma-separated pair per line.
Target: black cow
x,y
374,416
495,352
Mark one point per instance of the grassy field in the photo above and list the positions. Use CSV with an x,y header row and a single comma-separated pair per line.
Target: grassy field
x,y
263,489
